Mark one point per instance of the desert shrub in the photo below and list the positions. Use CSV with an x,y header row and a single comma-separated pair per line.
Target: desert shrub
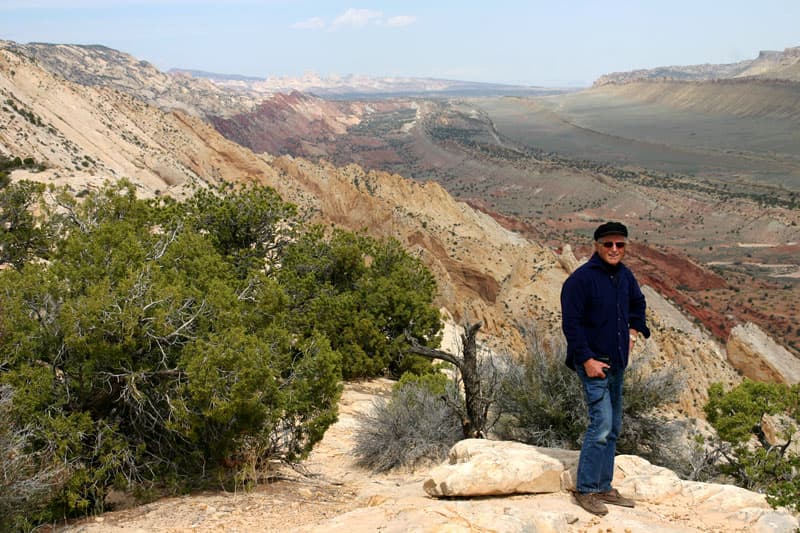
x,y
435,382
645,430
736,414
416,424
248,226
158,349
746,456
542,403
26,479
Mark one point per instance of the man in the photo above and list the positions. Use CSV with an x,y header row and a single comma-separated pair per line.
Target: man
x,y
603,313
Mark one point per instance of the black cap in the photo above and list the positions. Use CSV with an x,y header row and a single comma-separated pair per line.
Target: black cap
x,y
610,228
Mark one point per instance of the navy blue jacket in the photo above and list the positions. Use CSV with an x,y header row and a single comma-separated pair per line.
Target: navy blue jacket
x,y
599,303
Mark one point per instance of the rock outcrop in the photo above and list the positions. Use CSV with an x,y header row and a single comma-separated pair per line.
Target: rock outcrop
x,y
481,467
759,358
781,430
339,496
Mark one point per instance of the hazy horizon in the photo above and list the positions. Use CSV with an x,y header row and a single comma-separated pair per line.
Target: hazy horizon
x,y
508,42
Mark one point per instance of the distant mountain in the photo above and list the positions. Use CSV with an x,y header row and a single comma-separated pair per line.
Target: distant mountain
x,y
213,76
768,65
358,86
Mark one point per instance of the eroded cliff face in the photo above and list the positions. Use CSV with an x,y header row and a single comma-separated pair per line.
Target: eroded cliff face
x,y
86,135
758,357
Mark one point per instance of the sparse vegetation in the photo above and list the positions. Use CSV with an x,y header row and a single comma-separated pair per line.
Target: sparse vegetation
x,y
27,480
416,425
27,114
166,345
537,401
22,235
542,403
748,455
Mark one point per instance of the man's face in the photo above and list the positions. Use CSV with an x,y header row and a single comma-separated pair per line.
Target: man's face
x,y
611,248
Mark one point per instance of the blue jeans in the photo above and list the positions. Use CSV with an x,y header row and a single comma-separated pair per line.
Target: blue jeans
x,y
604,400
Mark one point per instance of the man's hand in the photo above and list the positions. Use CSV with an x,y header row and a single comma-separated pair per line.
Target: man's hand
x,y
632,336
595,368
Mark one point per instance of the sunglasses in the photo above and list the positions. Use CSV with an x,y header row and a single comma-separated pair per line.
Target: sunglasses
x,y
609,244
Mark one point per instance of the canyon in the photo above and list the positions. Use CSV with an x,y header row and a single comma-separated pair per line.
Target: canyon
x,y
499,221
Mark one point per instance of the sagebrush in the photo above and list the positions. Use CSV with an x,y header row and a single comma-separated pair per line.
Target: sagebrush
x,y
417,424
542,403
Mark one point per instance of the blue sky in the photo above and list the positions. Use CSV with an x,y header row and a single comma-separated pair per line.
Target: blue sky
x,y
551,43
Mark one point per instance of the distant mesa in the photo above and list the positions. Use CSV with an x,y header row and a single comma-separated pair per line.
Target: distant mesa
x,y
769,64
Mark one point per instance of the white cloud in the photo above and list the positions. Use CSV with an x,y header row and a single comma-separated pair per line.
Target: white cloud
x,y
401,21
314,23
356,18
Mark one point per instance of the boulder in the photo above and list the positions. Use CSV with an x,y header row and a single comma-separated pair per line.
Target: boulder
x,y
758,357
779,429
480,467
567,259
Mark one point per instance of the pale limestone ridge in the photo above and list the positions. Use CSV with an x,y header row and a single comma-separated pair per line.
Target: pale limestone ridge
x,y
85,135
775,65
100,66
670,315
759,357
355,84
741,98
568,260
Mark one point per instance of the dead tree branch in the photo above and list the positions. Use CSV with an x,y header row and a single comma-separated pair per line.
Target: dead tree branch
x,y
475,419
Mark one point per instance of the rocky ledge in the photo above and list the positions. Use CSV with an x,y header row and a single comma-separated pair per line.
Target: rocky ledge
x,y
511,487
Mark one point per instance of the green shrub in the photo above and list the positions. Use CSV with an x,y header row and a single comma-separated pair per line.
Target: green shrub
x,y
165,344
746,455
435,382
22,235
364,294
736,414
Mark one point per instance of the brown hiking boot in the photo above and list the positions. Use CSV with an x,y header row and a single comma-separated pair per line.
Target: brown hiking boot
x,y
615,498
591,502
